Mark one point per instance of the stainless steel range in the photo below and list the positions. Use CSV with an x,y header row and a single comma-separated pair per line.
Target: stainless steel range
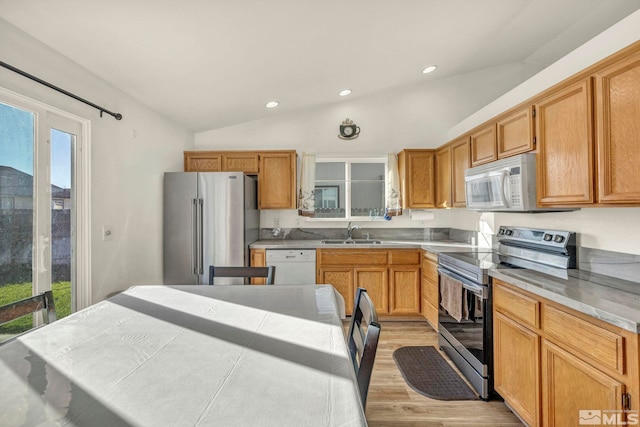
x,y
465,316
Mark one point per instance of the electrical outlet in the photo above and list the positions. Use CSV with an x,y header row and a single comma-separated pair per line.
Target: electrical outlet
x,y
107,232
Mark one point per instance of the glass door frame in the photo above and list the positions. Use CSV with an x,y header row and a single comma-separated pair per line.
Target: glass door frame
x,y
46,118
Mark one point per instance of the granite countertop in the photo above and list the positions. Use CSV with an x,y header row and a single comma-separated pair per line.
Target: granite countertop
x,y
432,246
612,300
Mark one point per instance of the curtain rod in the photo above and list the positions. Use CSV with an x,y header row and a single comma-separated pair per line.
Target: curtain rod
x,y
117,116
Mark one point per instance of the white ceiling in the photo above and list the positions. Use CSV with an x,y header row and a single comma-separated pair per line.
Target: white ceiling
x,y
215,63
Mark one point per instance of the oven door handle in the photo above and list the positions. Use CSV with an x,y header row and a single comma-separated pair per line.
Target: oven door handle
x,y
477,289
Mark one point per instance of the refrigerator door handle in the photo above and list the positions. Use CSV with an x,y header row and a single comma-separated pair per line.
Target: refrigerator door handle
x,y
200,236
194,211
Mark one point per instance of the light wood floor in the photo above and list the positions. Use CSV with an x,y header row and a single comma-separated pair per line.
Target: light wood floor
x,y
391,402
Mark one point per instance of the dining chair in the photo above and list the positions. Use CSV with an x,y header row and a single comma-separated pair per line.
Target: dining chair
x,y
364,333
248,272
42,302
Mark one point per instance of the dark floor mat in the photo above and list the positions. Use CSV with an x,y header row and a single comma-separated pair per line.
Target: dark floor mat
x,y
426,371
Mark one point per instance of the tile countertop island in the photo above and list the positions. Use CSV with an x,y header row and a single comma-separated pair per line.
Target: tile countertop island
x,y
611,300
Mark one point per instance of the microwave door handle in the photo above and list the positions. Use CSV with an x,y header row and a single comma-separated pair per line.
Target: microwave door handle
x,y
503,183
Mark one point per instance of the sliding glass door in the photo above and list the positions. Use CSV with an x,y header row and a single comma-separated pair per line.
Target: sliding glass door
x,y
38,215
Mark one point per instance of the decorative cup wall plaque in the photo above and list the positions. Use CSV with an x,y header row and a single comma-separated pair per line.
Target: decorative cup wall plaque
x,y
348,130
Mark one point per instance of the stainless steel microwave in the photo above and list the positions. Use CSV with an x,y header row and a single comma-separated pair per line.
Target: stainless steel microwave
x,y
507,185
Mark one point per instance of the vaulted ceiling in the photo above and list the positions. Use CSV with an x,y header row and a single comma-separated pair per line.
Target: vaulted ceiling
x,y
214,63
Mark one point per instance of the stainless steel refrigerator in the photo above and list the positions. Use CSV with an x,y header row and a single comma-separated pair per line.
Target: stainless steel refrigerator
x,y
209,218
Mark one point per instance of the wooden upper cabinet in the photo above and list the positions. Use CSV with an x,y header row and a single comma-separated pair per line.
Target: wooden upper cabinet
x,y
618,127
221,161
416,169
241,161
202,161
516,133
483,145
565,146
443,177
459,162
277,180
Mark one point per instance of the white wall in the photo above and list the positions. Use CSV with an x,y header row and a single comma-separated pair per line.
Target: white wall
x,y
416,116
128,158
427,117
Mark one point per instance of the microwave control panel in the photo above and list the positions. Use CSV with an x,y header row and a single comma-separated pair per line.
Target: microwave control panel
x,y
515,185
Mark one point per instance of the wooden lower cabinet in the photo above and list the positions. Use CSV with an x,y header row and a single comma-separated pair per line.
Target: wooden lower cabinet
x,y
429,288
516,367
376,282
404,290
258,258
391,277
342,279
570,385
548,371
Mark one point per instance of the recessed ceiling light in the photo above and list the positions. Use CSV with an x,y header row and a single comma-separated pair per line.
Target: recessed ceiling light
x,y
271,104
429,69
345,92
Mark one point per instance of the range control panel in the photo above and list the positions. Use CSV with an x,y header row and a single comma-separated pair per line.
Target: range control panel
x,y
537,237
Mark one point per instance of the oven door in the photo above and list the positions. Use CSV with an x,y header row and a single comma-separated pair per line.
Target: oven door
x,y
468,340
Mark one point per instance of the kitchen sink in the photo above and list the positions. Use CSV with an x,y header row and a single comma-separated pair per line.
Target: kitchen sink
x,y
352,242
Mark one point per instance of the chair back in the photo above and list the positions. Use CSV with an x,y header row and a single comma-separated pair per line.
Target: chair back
x,y
247,272
42,302
364,334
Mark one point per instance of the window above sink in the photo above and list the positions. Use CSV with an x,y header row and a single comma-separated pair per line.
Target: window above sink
x,y
350,188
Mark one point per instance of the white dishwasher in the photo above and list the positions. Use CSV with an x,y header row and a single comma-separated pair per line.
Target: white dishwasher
x,y
293,266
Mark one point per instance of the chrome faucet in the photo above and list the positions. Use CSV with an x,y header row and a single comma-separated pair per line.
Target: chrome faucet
x,y
350,229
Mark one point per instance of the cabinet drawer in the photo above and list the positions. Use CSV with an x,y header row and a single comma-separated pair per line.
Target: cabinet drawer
x,y
430,270
352,257
431,313
407,257
591,341
431,293
517,306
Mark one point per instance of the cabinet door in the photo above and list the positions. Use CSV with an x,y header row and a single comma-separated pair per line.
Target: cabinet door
x,y
202,161
618,115
565,143
460,162
515,133
443,177
374,280
483,146
277,180
516,367
342,279
240,161
404,290
417,175
570,386
258,259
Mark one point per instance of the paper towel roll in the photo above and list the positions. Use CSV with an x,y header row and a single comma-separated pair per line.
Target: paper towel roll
x,y
420,215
